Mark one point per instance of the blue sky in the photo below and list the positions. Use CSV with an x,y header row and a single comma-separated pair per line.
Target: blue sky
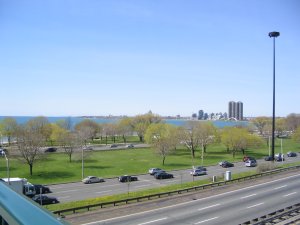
x,y
126,57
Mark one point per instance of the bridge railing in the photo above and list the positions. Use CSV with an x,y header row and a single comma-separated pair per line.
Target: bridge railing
x,y
17,209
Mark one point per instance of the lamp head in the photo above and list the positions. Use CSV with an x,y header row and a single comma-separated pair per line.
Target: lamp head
x,y
274,34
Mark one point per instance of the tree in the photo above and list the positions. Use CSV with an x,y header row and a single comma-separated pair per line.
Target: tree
x,y
29,142
140,123
261,123
40,125
69,141
163,138
206,132
87,129
296,135
125,127
293,121
9,127
65,123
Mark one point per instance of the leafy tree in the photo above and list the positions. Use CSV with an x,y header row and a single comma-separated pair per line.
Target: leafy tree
x,y
125,128
9,127
296,135
206,133
293,121
140,123
163,138
261,122
40,125
87,129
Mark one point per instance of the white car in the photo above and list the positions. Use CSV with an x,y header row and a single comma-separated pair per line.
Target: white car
x,y
153,171
198,172
92,179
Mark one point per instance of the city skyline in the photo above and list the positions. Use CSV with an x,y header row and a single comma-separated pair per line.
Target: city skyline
x,y
73,58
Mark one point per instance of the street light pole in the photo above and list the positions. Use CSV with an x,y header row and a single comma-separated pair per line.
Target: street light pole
x,y
273,35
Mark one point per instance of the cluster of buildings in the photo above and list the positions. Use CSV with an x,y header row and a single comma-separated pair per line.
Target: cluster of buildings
x,y
235,112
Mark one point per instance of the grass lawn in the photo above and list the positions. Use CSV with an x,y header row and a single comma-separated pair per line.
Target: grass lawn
x,y
57,169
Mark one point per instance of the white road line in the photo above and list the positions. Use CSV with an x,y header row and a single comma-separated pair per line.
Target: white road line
x,y
65,191
198,200
142,185
290,194
255,205
248,196
153,221
208,207
99,192
203,221
283,186
64,197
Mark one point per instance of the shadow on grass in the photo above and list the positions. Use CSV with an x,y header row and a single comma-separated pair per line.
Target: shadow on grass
x,y
177,164
53,175
98,167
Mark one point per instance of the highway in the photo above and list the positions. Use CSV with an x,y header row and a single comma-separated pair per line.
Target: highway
x,y
79,191
233,207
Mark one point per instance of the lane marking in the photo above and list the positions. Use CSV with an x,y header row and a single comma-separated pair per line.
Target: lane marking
x,y
203,221
290,194
209,207
198,200
248,196
142,185
283,186
99,192
255,205
153,221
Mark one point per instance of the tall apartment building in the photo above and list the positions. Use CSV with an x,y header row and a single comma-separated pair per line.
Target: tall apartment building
x,y
235,110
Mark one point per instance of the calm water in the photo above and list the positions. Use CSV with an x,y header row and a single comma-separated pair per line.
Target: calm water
x,y
75,120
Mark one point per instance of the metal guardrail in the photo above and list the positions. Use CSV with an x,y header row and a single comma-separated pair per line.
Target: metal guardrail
x,y
166,194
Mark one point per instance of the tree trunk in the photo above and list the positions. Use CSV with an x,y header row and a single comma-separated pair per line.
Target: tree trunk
x,y
141,138
164,158
70,157
30,168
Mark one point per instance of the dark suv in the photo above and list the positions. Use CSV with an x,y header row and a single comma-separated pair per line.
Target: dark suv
x,y
163,175
51,149
127,178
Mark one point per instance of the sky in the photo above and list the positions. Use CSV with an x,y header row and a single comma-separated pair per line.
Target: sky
x,y
126,57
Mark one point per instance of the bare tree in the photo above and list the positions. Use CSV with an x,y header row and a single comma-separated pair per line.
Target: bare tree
x,y
29,142
87,129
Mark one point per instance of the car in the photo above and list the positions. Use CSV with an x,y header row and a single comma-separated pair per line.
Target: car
x,y
3,151
198,172
279,157
44,199
226,164
113,146
199,168
163,175
291,154
41,189
269,158
251,163
127,178
51,149
153,171
87,148
130,146
246,158
92,179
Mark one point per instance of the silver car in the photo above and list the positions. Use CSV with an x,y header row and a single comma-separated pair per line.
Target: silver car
x,y
92,179
198,172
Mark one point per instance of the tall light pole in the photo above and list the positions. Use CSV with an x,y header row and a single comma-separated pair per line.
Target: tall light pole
x,y
273,35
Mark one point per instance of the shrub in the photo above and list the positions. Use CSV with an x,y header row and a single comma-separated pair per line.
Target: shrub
x,y
267,166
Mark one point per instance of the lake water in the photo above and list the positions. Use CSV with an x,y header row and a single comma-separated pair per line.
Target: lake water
x,y
75,120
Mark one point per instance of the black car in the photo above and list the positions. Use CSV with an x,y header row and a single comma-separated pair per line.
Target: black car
x,y
127,178
38,188
45,200
226,164
163,175
51,149
269,158
291,154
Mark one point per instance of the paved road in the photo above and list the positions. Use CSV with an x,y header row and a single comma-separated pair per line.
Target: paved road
x,y
233,207
79,191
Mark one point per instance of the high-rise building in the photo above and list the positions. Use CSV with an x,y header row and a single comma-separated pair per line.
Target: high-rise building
x,y
235,110
201,115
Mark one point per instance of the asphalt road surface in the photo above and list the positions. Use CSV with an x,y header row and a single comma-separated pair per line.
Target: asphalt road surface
x,y
232,207
79,191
